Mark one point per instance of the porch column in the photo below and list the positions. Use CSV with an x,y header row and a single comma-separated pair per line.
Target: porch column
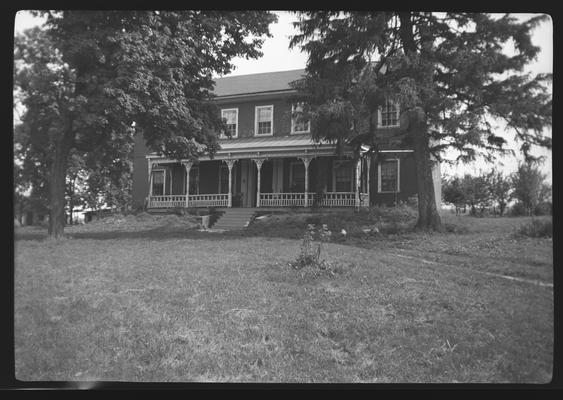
x,y
258,162
188,167
230,164
358,172
150,176
368,160
306,162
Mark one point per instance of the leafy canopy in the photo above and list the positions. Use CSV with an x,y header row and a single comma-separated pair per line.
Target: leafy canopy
x,y
452,65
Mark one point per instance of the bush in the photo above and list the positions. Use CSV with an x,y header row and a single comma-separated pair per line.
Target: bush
x,y
453,228
537,228
518,210
544,208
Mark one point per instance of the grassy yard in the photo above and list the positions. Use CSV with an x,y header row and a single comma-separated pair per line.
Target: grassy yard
x,y
162,304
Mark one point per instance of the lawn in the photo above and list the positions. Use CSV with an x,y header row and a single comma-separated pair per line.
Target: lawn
x,y
175,305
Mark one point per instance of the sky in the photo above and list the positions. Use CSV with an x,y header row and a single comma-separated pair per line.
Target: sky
x,y
278,57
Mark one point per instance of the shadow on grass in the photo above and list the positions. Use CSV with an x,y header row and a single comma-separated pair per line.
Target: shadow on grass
x,y
152,234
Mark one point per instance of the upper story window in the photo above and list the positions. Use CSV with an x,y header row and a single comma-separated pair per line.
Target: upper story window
x,y
264,120
230,115
298,124
388,176
389,114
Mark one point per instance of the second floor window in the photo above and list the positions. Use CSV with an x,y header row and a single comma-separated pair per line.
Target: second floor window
x,y
389,114
230,117
264,120
298,124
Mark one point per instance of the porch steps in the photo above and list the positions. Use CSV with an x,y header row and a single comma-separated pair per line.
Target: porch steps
x,y
234,219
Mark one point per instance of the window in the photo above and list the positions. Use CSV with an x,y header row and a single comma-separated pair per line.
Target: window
x,y
230,115
158,182
388,176
298,124
264,120
389,114
343,177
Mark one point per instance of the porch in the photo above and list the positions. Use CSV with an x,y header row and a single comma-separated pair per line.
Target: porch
x,y
280,172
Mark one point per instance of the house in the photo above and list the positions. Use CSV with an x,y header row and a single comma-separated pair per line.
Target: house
x,y
270,159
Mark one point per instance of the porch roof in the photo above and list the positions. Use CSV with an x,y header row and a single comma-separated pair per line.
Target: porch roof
x,y
267,147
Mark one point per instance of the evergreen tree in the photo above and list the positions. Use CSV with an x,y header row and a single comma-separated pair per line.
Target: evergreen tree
x,y
447,72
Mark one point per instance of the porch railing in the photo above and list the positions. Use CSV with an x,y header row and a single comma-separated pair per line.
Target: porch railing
x,y
209,200
338,199
196,200
167,201
282,199
329,199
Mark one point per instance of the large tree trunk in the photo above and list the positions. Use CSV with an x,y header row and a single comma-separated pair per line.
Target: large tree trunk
x,y
57,186
428,217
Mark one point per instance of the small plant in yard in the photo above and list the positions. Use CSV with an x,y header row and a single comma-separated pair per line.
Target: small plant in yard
x,y
537,228
310,254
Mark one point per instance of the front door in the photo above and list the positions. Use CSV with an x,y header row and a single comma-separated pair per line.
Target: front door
x,y
248,183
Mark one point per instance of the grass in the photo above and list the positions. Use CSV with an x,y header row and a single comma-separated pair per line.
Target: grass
x,y
162,304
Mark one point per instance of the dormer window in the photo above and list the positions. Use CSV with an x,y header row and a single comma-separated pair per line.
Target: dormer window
x,y
298,124
230,117
264,121
389,114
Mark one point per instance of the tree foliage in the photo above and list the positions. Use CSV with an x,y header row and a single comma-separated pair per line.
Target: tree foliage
x,y
448,72
528,184
91,79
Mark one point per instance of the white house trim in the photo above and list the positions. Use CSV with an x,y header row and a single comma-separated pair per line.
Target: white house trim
x,y
398,176
223,136
256,121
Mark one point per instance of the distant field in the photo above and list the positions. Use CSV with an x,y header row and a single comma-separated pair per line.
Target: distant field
x,y
165,303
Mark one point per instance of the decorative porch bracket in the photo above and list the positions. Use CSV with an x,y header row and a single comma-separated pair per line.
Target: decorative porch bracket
x,y
188,166
230,164
306,161
258,162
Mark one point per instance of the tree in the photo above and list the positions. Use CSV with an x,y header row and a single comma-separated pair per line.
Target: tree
x,y
500,189
527,184
476,191
452,191
91,79
447,72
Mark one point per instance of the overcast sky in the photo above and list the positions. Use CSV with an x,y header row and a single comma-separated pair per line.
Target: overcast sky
x,y
278,57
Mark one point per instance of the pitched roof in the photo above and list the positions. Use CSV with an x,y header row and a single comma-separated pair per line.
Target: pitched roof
x,y
256,83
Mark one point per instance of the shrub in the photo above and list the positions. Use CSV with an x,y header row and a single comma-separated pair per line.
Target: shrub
x,y
537,228
310,255
453,228
544,208
518,210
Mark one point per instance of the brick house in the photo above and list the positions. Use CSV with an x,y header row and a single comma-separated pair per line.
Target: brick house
x,y
271,161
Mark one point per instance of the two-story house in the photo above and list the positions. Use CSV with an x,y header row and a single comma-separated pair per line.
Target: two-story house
x,y
270,159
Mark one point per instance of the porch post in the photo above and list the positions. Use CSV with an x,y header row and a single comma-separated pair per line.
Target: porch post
x,y
187,167
230,164
306,161
150,177
368,160
358,171
258,162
